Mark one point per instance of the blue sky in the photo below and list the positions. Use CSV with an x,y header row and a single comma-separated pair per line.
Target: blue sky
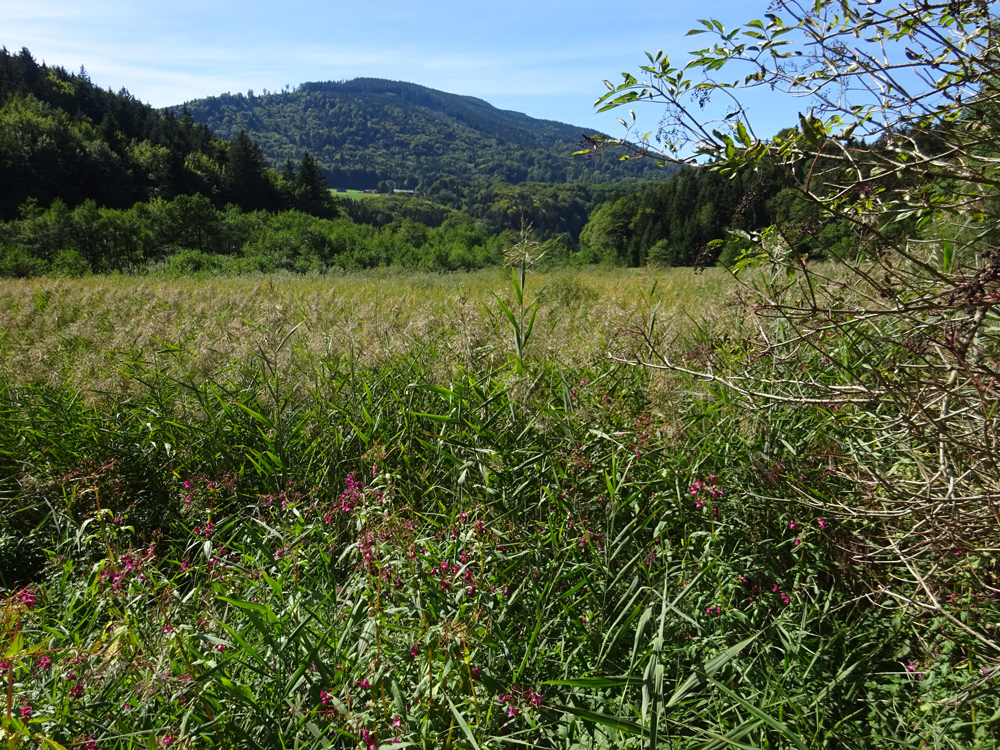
x,y
544,58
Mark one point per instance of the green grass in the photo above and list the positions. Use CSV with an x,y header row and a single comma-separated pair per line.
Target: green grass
x,y
353,194
351,513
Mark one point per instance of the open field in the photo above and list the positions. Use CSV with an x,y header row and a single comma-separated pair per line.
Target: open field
x,y
341,512
353,194
78,331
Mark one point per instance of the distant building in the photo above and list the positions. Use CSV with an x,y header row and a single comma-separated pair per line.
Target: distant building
x,y
404,192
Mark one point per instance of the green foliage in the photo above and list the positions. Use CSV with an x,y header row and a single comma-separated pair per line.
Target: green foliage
x,y
677,222
551,210
17,262
70,262
62,138
367,131
234,562
189,235
864,384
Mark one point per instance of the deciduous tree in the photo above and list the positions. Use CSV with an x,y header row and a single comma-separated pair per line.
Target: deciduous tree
x,y
899,344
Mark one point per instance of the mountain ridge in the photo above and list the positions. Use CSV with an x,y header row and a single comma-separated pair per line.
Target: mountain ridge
x,y
367,131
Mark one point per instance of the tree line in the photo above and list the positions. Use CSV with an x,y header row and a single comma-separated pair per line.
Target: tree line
x,y
72,149
188,235
62,137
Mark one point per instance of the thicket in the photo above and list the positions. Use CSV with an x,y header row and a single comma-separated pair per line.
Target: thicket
x,y
552,210
188,235
897,345
511,548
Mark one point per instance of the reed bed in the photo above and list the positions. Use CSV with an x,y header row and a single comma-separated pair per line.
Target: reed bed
x,y
56,331
351,512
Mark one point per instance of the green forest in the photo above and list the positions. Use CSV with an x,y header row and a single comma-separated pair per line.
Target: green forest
x,y
101,183
370,133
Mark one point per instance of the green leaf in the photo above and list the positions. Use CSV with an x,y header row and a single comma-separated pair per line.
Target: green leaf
x,y
464,725
595,717
597,683
779,726
710,668
240,692
253,606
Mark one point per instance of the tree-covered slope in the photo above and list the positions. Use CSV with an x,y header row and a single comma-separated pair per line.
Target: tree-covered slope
x,y
63,138
368,131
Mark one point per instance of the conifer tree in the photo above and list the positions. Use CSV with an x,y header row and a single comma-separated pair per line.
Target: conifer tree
x,y
244,178
312,194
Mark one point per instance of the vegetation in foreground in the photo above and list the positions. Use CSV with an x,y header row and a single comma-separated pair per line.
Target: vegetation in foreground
x,y
279,544
771,528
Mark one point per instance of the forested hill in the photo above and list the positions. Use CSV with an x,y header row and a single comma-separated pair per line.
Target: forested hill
x,y
370,131
63,138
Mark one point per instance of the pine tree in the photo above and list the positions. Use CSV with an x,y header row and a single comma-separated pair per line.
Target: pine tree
x,y
244,178
309,180
312,194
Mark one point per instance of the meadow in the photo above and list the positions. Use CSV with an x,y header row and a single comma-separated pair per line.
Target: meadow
x,y
439,511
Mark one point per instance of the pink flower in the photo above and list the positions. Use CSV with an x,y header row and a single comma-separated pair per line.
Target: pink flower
x,y
397,722
796,541
26,713
793,524
221,647
822,523
365,684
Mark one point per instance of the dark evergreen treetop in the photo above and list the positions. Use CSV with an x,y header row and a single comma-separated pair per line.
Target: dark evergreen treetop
x,y
311,189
